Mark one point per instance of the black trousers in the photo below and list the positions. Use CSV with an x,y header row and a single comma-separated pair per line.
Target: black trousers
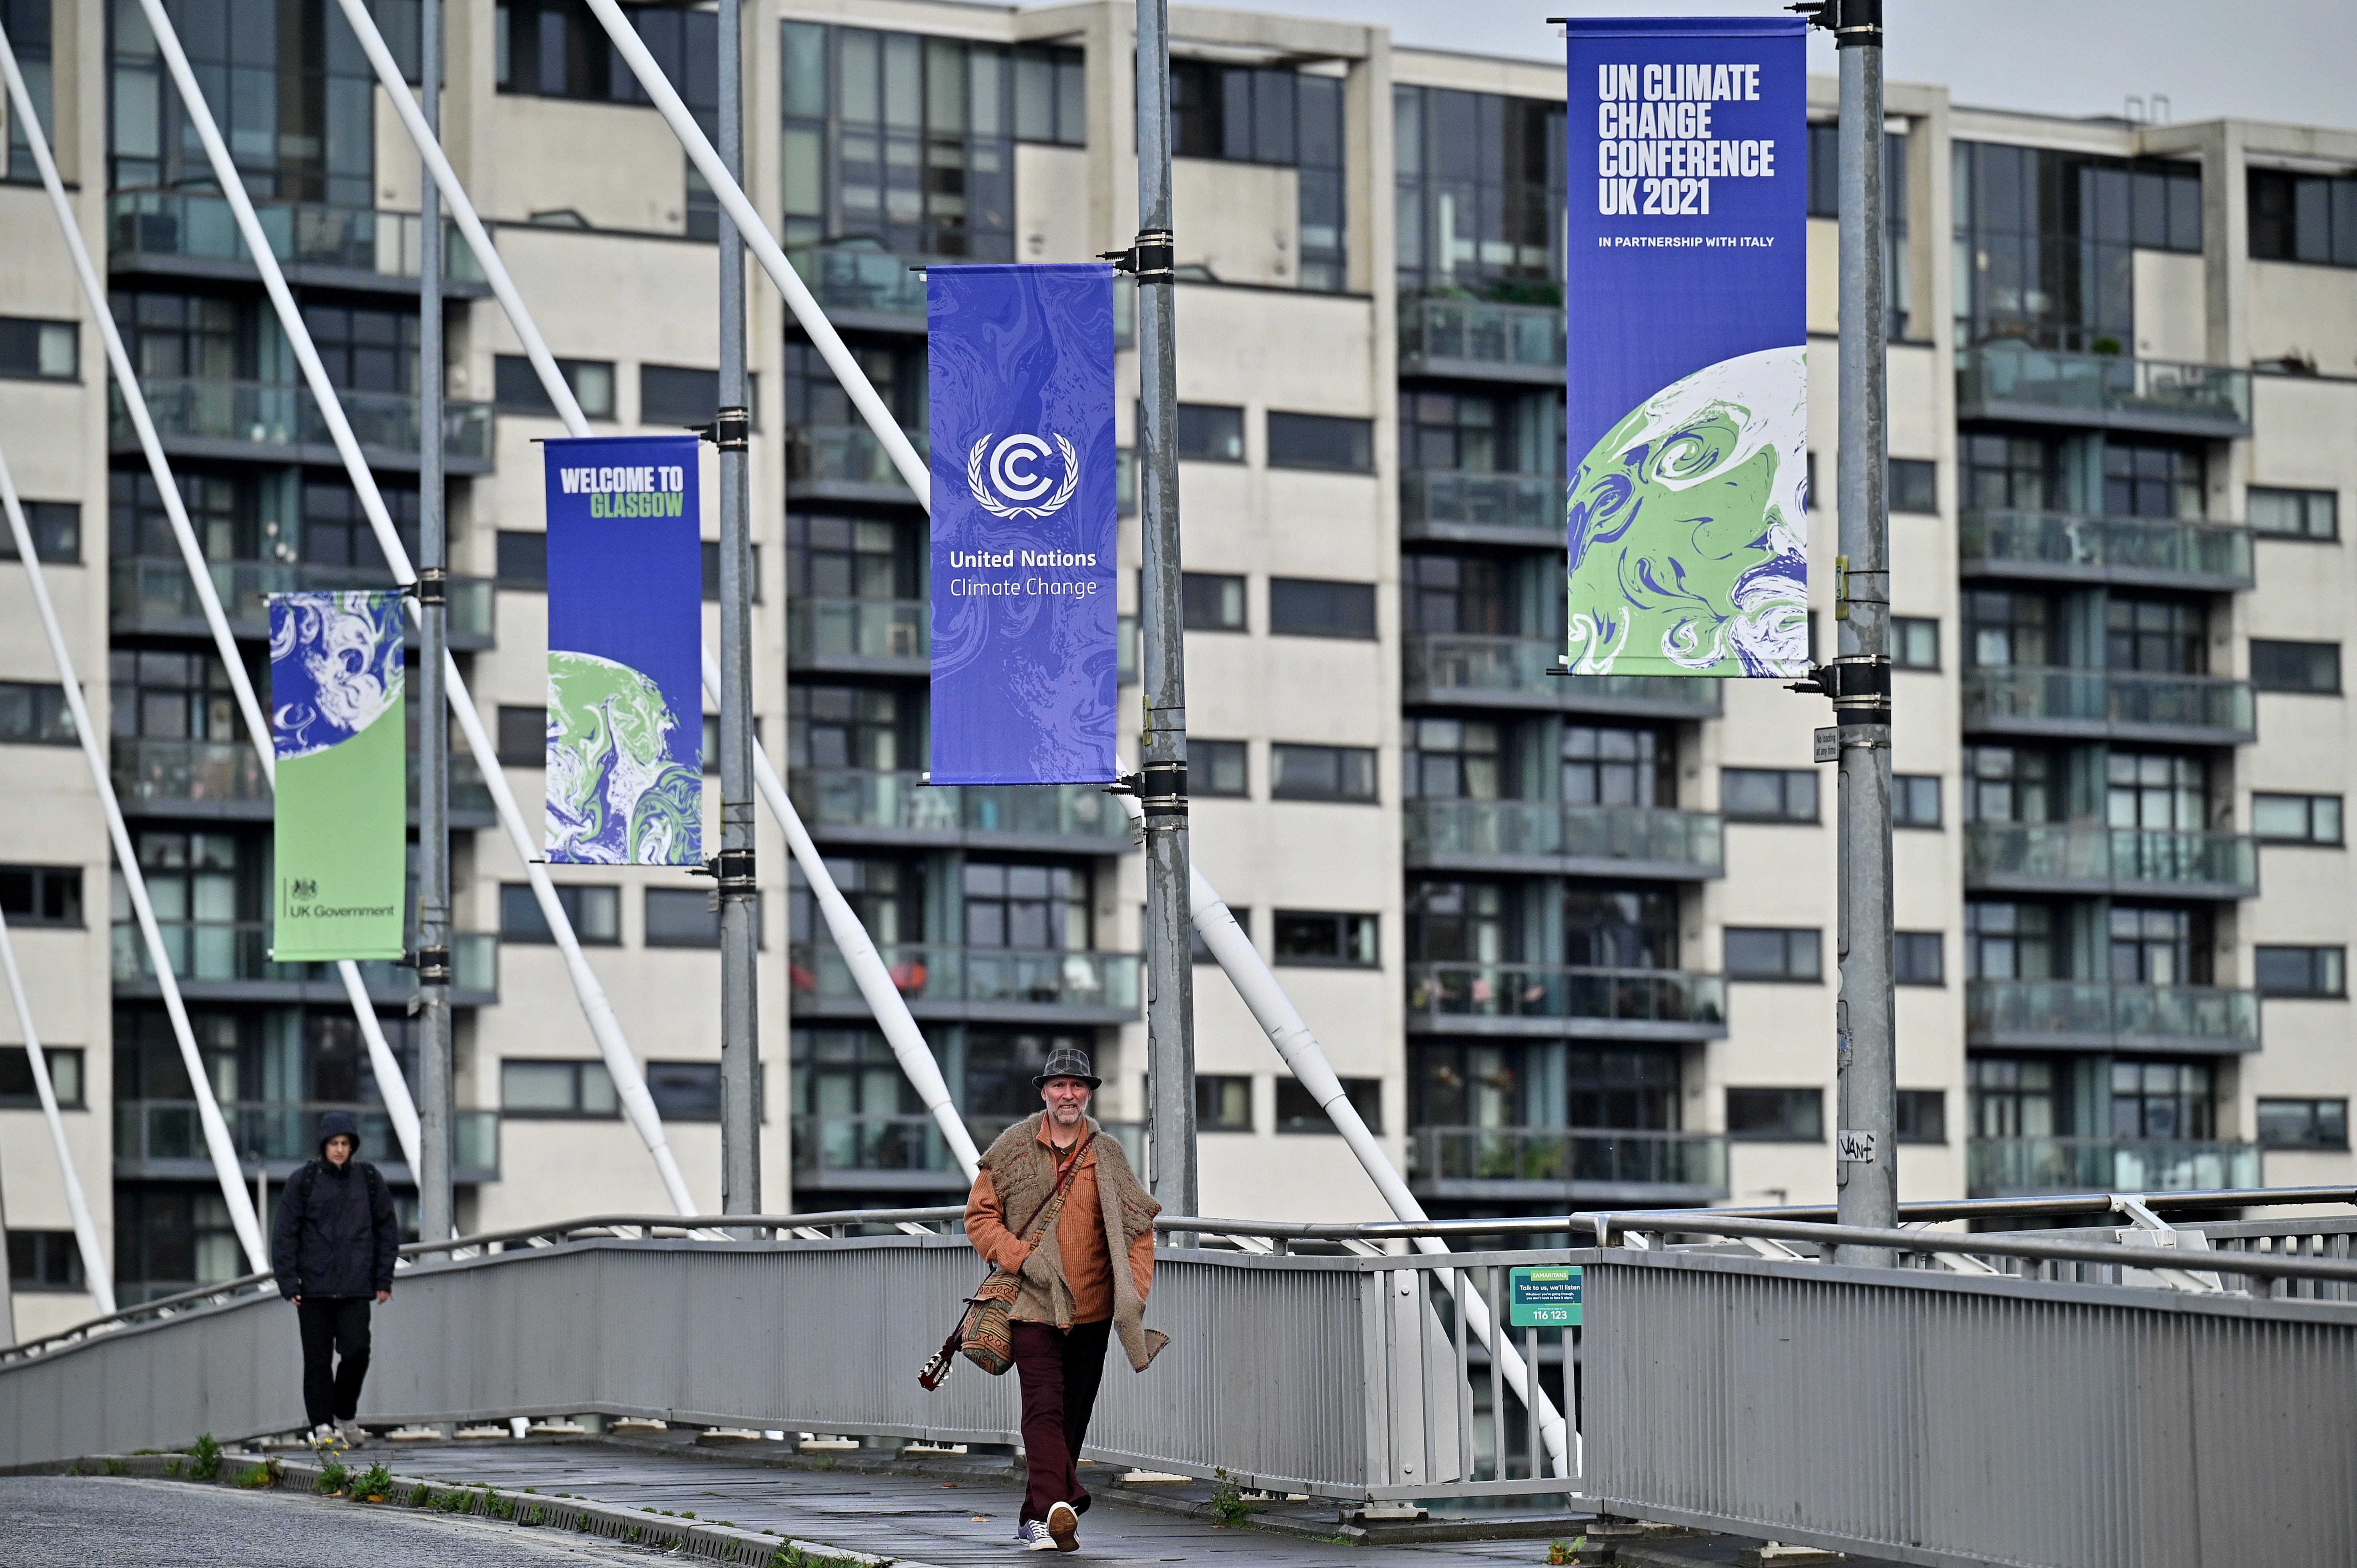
x,y
1059,1372
333,1326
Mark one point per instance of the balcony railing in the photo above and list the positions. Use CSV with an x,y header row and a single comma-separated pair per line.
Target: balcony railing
x,y
1462,336
878,631
2012,1167
1559,1157
1635,840
2035,699
2090,1015
1513,672
301,233
209,772
285,1132
1443,503
276,414
905,1151
1682,1005
2064,856
240,951
1995,380
959,977
154,592
858,797
862,280
2135,550
844,454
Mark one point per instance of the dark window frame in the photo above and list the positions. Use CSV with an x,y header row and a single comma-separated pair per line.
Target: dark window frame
x,y
1347,760
1353,932
2307,498
1936,943
516,389
2328,972
1293,440
1912,1124
2319,1118
1328,607
49,720
1904,631
523,560
1914,486
53,1260
34,332
1206,759
1777,1114
44,888
1205,598
1786,973
571,897
56,528
1297,1112
2271,668
512,724
1903,790
1789,780
69,1078
581,1069
2308,804
1212,1101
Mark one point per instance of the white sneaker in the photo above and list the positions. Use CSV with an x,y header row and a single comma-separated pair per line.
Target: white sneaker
x,y
320,1434
1064,1527
354,1434
1032,1536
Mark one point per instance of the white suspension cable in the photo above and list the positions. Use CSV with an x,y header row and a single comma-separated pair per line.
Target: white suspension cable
x,y
851,938
621,1064
94,1271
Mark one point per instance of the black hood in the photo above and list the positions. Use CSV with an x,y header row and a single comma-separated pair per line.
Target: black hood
x,y
335,1122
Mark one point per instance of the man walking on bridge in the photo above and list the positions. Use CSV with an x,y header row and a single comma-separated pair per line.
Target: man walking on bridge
x,y
1079,1283
332,1247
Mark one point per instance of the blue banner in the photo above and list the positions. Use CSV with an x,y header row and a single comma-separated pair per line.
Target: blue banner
x,y
1024,649
625,665
1686,278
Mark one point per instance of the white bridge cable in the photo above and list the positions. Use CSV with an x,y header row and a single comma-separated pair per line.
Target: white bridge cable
x,y
622,1065
851,938
399,1107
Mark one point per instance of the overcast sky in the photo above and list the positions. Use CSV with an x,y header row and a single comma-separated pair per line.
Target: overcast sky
x,y
2256,59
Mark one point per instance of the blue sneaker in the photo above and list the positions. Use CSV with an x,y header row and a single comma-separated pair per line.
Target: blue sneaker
x,y
1032,1536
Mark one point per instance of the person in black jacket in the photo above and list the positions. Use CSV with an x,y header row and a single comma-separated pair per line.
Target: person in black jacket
x,y
332,1248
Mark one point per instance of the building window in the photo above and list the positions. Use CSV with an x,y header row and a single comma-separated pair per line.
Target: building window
x,y
44,1261
1271,114
684,396
1456,922
1479,433
553,1091
688,918
593,908
2301,972
710,549
1768,794
516,386
1922,1116
29,30
2162,1099
56,528
1914,644
851,558
1916,959
1915,801
33,714
523,738
2159,637
1051,95
2296,819
1773,952
2303,218
2296,666
1223,1103
41,895
1449,759
1207,432
1317,607
1299,1112
1914,485
1213,601
39,350
1480,183
1322,441
1036,908
849,726
2303,1123
2295,514
2151,478
690,1092
1464,595
1321,772
1312,937
1605,765
523,561
17,1092
1619,928
1776,1115
1220,768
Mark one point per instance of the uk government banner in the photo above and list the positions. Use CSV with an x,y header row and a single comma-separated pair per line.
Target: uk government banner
x,y
1025,649
1686,414
625,657
341,834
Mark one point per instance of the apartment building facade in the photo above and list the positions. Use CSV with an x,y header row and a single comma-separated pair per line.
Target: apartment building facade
x,y
1570,942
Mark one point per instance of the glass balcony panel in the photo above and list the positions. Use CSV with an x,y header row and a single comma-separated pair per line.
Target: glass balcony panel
x,y
1999,1167
1523,502
1544,991
2105,384
856,278
2100,1011
192,223
143,590
197,770
955,974
1558,1155
1524,336
857,797
2144,549
286,1132
843,454
2104,699
269,414
860,629
1548,828
2091,852
1442,667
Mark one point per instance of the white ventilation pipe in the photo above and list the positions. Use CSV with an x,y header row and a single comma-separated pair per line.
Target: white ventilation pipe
x,y
217,1143
622,1065
397,1102
851,938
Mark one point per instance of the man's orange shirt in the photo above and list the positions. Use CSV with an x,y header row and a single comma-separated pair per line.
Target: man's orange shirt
x,y
1079,1238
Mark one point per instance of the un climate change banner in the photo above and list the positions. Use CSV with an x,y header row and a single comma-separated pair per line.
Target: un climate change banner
x,y
1025,652
1684,279
341,831
625,660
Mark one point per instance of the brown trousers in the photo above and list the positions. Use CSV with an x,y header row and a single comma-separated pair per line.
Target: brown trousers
x,y
1061,1372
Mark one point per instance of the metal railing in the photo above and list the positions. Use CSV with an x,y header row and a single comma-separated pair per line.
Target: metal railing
x,y
865,1146
899,631
844,454
2063,1012
240,951
1688,1005
280,1131
2089,855
2108,549
2106,387
1446,498
1468,334
1513,671
2036,699
903,802
303,233
862,280
154,592
1636,840
1004,977
1568,1157
281,414
226,772
2001,1168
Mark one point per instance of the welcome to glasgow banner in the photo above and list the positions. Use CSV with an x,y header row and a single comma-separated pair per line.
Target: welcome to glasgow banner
x,y
625,656
1685,273
342,833
1024,649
